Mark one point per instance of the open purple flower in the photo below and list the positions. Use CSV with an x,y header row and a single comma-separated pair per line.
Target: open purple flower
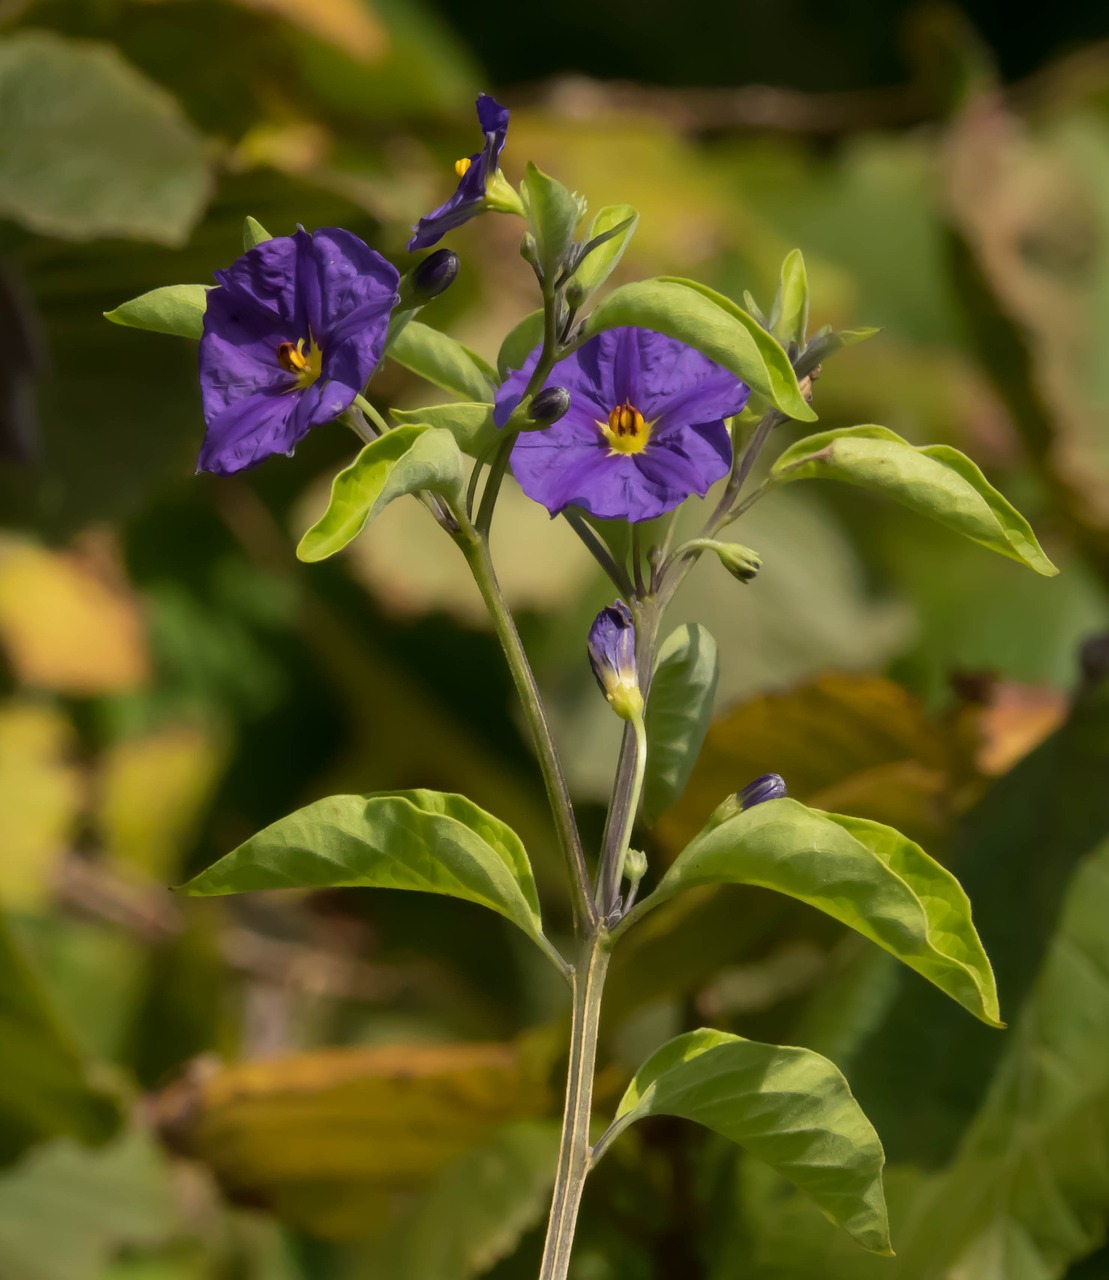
x,y
291,336
475,173
645,427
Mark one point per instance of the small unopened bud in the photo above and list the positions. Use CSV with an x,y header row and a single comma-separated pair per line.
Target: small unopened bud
x,y
612,657
771,786
635,866
434,275
741,562
549,405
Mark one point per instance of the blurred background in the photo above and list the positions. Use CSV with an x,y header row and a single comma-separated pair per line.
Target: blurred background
x,y
354,1086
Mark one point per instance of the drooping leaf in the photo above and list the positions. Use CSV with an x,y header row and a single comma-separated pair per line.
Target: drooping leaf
x,y
92,148
678,712
522,340
470,423
618,222
176,309
402,461
686,312
788,1107
553,215
429,841
936,481
443,362
862,873
254,233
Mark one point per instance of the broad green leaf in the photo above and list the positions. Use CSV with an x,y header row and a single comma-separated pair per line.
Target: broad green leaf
x,y
862,873
443,362
602,261
788,1107
254,233
92,147
45,1089
678,712
936,481
429,841
789,317
520,343
553,215
402,461
470,423
177,309
475,1211
688,313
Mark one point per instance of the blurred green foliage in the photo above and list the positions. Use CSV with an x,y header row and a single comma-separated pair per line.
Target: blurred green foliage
x,y
344,1086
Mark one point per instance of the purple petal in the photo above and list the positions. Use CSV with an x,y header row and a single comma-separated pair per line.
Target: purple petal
x,y
238,352
250,431
263,282
688,461
356,287
585,401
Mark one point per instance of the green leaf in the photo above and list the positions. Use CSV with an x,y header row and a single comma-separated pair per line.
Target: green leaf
x,y
789,317
470,423
45,1089
177,309
475,1211
92,147
520,343
254,234
936,481
443,362
428,841
402,461
694,314
788,1107
678,712
601,261
553,215
862,873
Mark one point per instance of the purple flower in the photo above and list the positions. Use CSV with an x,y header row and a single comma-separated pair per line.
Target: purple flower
x,y
771,786
291,336
475,173
644,429
612,657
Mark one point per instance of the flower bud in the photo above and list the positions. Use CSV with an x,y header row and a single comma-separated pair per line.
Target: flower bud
x,y
434,275
635,866
771,786
612,657
741,562
549,405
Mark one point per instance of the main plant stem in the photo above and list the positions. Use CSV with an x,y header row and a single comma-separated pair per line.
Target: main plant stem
x,y
575,1154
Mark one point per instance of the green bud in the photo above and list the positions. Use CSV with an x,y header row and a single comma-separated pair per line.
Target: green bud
x,y
635,866
741,562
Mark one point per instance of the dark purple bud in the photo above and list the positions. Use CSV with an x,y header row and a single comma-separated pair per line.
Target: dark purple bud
x,y
771,786
434,275
549,405
612,657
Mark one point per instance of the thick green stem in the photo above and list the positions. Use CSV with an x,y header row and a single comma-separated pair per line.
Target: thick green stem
x,y
575,1157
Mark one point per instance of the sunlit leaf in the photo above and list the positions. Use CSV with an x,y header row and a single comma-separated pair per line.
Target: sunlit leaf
x,y
93,148
788,1107
937,481
400,462
603,260
176,309
789,317
861,873
254,233
553,215
470,423
443,362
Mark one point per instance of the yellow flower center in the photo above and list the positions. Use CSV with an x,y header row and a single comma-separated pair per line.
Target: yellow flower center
x,y
307,366
462,167
626,431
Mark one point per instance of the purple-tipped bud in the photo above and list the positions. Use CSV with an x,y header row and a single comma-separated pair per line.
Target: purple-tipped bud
x,y
434,275
771,786
549,405
612,657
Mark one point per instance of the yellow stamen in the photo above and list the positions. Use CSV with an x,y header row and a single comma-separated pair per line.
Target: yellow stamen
x,y
307,366
626,431
462,167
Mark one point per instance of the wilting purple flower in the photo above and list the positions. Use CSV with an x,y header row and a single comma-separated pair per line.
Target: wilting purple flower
x,y
612,657
291,336
771,786
474,173
644,430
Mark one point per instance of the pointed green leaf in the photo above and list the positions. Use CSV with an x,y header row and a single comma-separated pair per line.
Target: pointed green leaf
x,y
862,873
788,1107
254,234
936,481
618,222
789,317
553,215
520,343
470,423
402,461
443,362
678,712
428,841
695,315
177,309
